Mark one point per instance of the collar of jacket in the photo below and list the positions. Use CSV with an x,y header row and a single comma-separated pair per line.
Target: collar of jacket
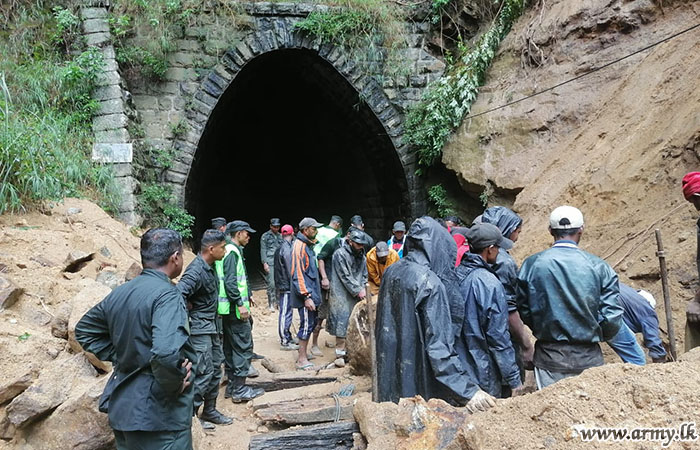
x,y
156,273
204,263
305,240
474,261
565,243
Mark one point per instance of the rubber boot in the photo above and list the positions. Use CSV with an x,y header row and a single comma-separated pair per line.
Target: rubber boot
x,y
208,426
242,393
229,386
210,414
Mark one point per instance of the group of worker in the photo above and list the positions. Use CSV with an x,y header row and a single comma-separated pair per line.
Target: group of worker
x,y
450,323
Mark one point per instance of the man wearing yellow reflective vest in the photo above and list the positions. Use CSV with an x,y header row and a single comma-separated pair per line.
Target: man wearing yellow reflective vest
x,y
234,308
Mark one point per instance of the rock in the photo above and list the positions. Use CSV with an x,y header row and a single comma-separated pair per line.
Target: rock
x,y
52,388
76,260
108,278
89,296
73,211
376,420
358,344
9,293
263,429
12,388
104,251
416,424
76,424
59,323
7,430
132,272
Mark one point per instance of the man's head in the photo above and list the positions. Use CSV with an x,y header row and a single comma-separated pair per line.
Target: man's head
x,y
240,232
213,247
275,225
485,239
357,222
691,188
161,249
399,230
219,223
452,221
566,222
336,222
382,251
287,232
357,240
309,227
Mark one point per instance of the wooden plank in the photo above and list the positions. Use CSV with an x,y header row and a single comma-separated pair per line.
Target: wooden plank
x,y
311,410
335,435
362,384
288,380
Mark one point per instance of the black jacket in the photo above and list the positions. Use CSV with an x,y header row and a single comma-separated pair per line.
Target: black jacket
x,y
199,286
283,264
142,328
414,329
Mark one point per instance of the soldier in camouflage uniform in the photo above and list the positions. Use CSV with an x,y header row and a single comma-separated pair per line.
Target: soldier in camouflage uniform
x,y
270,241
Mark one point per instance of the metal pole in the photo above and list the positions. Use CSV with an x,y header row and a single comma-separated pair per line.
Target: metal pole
x,y
372,344
667,296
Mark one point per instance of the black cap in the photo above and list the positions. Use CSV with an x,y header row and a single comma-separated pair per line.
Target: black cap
x,y
275,222
309,222
238,225
217,222
454,219
337,219
482,235
356,220
359,236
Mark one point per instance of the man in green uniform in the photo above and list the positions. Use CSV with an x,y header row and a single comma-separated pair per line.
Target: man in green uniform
x,y
238,336
142,328
270,241
330,231
199,288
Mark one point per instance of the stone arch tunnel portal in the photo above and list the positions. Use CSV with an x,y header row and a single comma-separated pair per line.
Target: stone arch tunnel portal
x,y
290,138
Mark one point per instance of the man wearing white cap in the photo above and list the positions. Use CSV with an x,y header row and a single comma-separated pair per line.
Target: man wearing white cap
x,y
570,300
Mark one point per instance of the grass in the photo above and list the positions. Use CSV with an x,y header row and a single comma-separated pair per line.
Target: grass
x,y
46,110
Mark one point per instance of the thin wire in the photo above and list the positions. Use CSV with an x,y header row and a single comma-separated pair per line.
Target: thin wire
x,y
584,74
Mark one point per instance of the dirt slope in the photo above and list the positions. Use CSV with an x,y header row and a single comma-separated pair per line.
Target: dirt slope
x,y
615,143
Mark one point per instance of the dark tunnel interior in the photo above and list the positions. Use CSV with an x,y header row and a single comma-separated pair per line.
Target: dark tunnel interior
x,y
290,138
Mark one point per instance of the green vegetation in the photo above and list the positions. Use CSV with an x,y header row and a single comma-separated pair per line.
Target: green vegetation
x,y
372,32
448,100
156,203
437,194
46,109
145,30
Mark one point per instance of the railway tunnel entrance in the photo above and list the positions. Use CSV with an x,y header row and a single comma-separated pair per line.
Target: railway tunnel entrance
x,y
290,138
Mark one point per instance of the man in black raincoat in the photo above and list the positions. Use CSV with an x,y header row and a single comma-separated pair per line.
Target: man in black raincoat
x,y
414,329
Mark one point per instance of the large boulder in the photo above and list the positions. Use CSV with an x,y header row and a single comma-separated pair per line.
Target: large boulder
x,y
358,338
51,389
415,424
89,296
77,424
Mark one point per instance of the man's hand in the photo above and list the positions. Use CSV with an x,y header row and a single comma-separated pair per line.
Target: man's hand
x,y
187,365
266,266
309,304
528,356
692,311
243,312
362,294
481,401
325,284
